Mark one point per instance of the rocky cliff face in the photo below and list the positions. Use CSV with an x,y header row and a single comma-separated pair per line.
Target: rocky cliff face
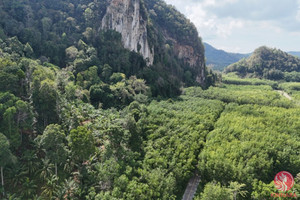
x,y
125,17
193,58
131,18
189,55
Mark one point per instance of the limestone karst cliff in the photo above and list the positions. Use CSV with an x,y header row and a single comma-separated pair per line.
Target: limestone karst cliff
x,y
124,16
193,58
178,32
144,38
129,18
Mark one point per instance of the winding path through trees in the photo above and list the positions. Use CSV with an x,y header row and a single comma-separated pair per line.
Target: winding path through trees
x,y
194,181
283,93
191,187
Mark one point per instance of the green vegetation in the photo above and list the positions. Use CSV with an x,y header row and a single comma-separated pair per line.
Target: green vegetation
x,y
68,33
176,24
268,63
53,143
233,79
238,136
290,87
293,89
93,133
251,142
83,118
242,94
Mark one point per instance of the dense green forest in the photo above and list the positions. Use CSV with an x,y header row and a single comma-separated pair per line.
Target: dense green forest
x,y
102,137
268,63
68,33
81,117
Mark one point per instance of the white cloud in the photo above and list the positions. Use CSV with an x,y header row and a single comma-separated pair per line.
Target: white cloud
x,y
298,12
243,25
209,24
209,3
225,29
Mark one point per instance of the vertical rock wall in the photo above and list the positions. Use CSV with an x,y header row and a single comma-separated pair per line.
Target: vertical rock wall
x,y
125,17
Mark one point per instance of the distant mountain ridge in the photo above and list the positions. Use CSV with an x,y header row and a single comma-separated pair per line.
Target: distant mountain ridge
x,y
295,53
220,59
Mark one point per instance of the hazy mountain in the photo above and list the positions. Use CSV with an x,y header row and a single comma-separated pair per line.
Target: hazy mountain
x,y
219,59
295,53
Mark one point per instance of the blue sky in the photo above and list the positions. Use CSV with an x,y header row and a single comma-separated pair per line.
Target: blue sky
x,y
243,25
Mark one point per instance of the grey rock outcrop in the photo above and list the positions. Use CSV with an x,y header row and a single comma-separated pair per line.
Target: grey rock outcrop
x,y
125,17
193,58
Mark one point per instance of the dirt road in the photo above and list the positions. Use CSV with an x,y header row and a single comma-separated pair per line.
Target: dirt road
x,y
191,187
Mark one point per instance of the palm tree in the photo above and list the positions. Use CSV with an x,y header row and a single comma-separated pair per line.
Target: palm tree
x,y
31,161
67,189
50,187
12,197
237,189
47,169
17,175
28,189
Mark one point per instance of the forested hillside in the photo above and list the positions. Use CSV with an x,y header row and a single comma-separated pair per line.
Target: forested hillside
x,y
83,116
71,33
268,63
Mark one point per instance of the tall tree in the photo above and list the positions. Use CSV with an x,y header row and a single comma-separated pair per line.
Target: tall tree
x,y
237,189
214,191
9,119
6,156
53,143
44,99
82,143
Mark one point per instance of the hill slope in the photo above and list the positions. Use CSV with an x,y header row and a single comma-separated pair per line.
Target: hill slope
x,y
267,63
127,35
220,59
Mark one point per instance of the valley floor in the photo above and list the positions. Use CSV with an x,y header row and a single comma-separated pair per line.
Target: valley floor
x,y
256,136
236,137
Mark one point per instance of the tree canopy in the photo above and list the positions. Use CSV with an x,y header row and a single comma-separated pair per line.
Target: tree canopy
x,y
267,63
81,117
